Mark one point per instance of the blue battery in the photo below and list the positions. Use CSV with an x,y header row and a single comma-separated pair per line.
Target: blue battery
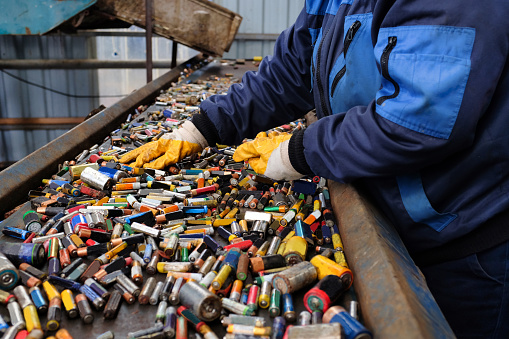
x,y
195,209
326,233
147,255
191,236
38,298
3,324
278,328
211,243
78,220
15,232
352,327
303,230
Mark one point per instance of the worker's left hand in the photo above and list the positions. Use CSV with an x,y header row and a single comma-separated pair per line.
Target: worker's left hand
x,y
268,155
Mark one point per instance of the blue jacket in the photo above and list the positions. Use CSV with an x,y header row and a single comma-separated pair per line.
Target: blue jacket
x,y
413,101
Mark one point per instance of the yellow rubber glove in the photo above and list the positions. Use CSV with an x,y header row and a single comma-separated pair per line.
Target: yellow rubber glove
x,y
169,149
268,155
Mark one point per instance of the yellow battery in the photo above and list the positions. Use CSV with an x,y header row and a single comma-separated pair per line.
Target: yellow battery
x,y
199,222
339,258
297,206
225,212
69,304
281,248
51,291
222,222
221,277
249,330
63,334
77,241
83,202
102,201
75,171
317,206
337,244
232,213
244,181
243,225
109,157
31,318
115,250
325,266
295,250
288,237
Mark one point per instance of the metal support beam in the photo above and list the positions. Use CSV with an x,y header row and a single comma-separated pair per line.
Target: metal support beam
x,y
174,54
27,173
77,64
148,37
39,123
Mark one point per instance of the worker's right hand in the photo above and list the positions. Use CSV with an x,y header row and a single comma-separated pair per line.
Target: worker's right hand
x,y
169,149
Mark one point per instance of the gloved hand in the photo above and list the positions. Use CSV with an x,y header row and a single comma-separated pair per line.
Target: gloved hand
x,y
268,155
169,149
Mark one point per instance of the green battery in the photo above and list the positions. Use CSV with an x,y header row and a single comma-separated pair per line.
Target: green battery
x,y
184,254
127,227
275,303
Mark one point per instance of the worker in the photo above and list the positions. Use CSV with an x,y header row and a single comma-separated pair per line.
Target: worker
x,y
413,105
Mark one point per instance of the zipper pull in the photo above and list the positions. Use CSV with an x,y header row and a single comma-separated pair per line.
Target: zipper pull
x,y
350,35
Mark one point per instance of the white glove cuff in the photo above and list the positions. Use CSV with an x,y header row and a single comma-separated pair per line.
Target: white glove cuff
x,y
279,166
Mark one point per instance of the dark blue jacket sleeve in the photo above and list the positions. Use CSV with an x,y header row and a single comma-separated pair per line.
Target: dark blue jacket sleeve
x,y
279,92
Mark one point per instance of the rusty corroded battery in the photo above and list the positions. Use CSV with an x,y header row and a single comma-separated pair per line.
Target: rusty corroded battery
x,y
204,304
113,305
147,290
295,250
96,179
295,278
54,314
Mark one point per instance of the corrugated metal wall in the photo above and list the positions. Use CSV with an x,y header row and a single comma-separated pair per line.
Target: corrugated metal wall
x,y
21,100
261,17
18,99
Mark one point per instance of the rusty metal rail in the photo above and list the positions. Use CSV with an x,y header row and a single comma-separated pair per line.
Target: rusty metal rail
x,y
392,292
18,179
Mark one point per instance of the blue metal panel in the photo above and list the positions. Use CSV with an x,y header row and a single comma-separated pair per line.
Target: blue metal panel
x,y
38,16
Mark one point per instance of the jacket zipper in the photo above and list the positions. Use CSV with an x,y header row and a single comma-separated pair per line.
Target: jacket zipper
x,y
318,77
350,34
384,63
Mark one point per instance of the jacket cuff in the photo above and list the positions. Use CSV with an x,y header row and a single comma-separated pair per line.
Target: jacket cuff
x,y
296,153
206,128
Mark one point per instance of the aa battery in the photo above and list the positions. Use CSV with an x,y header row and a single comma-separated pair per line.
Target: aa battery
x,y
96,300
170,322
288,308
136,272
152,265
278,328
249,330
29,280
207,265
97,288
165,267
113,305
275,303
274,245
16,315
38,298
295,278
128,297
172,244
236,307
54,314
325,266
22,296
31,318
236,290
235,319
84,309
96,179
147,290
352,328
328,331
70,306
316,317
9,275
265,293
154,297
204,304
181,328
174,297
304,318
33,271
267,262
252,298
129,285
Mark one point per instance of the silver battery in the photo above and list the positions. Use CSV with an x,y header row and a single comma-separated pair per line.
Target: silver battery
x,y
207,265
16,315
235,307
128,284
327,331
11,332
207,279
274,245
96,179
40,240
204,304
95,219
140,228
236,319
154,297
22,296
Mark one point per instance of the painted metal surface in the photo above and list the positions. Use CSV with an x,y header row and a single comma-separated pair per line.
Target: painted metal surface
x,y
38,16
392,292
27,173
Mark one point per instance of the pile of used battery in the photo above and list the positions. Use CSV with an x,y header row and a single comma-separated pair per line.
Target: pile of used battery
x,y
209,242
